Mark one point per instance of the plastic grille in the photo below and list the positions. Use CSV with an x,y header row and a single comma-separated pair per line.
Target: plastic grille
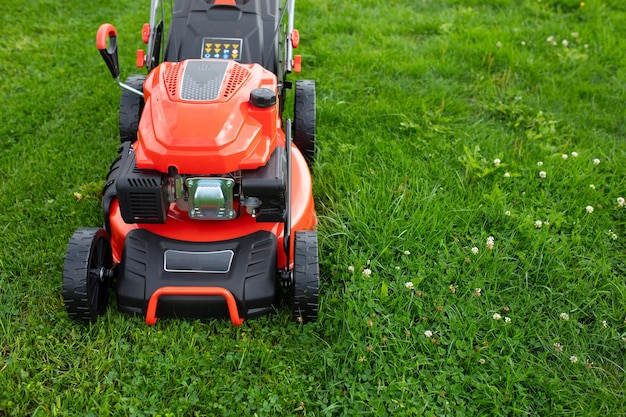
x,y
202,80
143,182
238,76
172,77
144,206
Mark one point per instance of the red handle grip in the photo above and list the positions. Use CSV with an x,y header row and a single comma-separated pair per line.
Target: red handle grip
x,y
105,31
109,54
151,318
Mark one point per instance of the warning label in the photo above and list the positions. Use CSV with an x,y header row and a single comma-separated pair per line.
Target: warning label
x,y
222,48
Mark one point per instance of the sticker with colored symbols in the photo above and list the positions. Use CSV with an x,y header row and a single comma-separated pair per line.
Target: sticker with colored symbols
x,y
222,48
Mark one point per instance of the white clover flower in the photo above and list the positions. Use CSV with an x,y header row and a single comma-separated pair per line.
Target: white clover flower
x,y
498,44
397,268
612,235
565,42
507,175
478,292
538,224
573,359
490,241
558,347
593,187
586,46
507,319
620,201
367,272
550,39
539,164
564,156
481,361
507,213
564,316
574,34
574,154
596,161
497,162
351,269
428,333
406,252
542,174
409,285
475,250
605,324
497,316
589,209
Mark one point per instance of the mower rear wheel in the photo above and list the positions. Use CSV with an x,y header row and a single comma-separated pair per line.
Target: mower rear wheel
x,y
304,125
131,106
87,274
306,277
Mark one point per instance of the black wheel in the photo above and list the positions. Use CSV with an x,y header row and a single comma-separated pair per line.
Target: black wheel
x,y
87,274
304,118
306,277
131,106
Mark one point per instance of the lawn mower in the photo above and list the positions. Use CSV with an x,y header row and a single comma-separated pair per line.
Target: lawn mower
x,y
208,207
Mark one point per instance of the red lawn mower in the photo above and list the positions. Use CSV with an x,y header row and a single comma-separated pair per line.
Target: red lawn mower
x,y
208,208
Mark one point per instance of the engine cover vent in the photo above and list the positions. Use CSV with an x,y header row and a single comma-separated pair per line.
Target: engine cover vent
x,y
172,78
238,76
202,80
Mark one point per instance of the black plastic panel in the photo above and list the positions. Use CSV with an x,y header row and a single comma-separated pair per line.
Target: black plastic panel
x,y
251,277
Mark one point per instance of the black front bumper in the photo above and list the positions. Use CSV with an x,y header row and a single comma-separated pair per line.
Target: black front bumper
x,y
245,266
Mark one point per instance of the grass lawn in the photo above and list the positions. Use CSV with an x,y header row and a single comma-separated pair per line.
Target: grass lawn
x,y
470,187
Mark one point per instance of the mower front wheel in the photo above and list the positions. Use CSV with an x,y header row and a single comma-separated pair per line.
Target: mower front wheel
x,y
87,274
306,277
131,106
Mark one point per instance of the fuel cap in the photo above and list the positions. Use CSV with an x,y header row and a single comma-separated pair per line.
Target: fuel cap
x,y
262,98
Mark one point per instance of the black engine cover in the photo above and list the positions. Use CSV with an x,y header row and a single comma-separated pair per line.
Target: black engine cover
x,y
268,183
142,194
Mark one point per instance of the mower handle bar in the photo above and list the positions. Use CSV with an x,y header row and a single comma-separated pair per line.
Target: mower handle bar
x,y
233,312
290,5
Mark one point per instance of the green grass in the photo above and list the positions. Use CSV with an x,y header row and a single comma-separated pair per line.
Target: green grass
x,y
416,100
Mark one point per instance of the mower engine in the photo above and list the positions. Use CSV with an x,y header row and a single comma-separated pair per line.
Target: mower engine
x,y
215,154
